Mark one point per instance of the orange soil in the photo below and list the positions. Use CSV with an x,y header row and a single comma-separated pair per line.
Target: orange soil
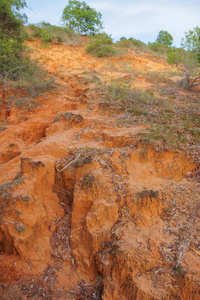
x,y
102,204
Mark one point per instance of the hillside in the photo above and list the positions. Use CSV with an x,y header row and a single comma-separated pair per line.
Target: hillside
x,y
99,185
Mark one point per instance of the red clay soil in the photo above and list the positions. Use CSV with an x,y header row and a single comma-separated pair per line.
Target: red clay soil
x,y
89,210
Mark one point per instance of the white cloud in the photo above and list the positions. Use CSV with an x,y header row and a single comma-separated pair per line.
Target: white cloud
x,y
140,19
144,19
101,6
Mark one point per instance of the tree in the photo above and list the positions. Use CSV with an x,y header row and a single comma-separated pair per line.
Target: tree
x,y
187,59
164,37
10,18
11,36
80,17
191,42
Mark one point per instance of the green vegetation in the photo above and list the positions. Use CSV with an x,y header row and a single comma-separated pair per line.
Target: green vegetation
x,y
132,43
158,48
64,116
154,108
191,41
16,68
178,271
81,18
122,95
76,118
175,122
88,180
51,33
101,46
165,38
148,193
162,45
187,59
11,38
187,64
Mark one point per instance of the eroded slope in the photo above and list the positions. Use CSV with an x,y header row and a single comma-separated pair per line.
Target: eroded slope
x,y
89,208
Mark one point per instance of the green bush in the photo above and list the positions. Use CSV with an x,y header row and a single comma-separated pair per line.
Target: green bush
x,y
11,38
121,95
132,44
160,50
175,57
51,33
101,46
42,31
157,47
187,60
28,76
11,60
137,43
16,68
188,65
34,78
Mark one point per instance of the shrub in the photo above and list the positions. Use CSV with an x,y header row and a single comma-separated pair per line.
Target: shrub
x,y
187,59
11,38
42,31
34,79
158,47
101,46
10,56
160,50
16,68
88,180
188,65
132,44
122,94
51,33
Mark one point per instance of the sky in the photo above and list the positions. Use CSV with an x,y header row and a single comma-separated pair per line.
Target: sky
x,y
140,19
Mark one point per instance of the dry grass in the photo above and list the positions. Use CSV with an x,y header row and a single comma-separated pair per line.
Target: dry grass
x,y
172,116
